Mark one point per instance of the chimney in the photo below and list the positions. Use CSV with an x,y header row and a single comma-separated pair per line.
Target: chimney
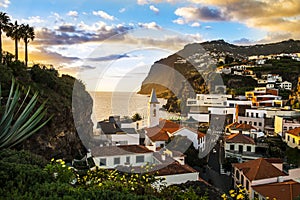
x,y
163,156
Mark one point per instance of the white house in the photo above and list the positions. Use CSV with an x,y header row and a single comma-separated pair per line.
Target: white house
x,y
112,134
157,136
195,136
262,179
286,85
240,146
292,138
113,156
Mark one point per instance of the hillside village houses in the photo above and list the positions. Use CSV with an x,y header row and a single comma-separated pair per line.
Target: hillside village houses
x,y
248,119
124,150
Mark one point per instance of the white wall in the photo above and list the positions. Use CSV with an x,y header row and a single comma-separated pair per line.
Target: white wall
x,y
190,135
180,178
199,117
148,158
236,147
123,138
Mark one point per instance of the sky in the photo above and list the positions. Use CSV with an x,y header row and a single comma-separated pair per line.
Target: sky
x,y
111,45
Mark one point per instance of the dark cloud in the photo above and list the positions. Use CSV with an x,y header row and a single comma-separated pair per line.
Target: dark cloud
x,y
210,14
67,28
109,57
71,35
243,41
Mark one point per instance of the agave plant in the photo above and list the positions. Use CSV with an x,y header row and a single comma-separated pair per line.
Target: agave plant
x,y
20,119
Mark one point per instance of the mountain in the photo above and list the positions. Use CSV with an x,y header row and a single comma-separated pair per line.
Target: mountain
x,y
191,69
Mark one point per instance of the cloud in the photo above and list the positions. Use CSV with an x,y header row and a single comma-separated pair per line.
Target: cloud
x,y
195,24
243,41
269,15
32,20
122,10
103,15
151,25
70,34
195,14
154,9
109,57
4,3
72,13
66,28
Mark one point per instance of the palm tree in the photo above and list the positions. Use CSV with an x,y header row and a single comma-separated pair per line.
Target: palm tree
x,y
14,32
4,22
27,33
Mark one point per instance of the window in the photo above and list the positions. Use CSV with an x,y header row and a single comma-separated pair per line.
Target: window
x,y
284,128
162,145
237,174
290,128
245,122
247,185
248,148
293,140
154,112
102,161
232,147
250,123
241,122
117,161
251,114
127,159
259,124
256,115
255,123
140,159
242,180
288,138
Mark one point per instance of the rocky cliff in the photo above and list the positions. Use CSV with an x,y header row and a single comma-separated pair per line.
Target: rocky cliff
x,y
192,66
59,138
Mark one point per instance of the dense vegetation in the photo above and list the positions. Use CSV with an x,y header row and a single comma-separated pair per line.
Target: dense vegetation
x,y
28,176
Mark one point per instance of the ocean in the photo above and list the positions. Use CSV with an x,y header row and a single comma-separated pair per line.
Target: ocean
x,y
122,104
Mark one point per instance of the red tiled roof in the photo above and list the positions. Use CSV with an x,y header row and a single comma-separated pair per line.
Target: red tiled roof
x,y
160,132
258,169
245,127
280,190
295,131
173,168
239,138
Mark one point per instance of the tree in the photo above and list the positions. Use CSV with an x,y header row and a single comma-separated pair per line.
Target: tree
x,y
136,117
27,34
4,22
19,120
14,32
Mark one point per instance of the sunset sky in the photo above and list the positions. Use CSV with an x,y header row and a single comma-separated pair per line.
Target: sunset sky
x,y
108,43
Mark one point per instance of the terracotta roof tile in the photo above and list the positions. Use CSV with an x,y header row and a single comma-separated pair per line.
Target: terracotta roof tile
x,y
280,190
245,127
160,132
295,131
258,169
239,138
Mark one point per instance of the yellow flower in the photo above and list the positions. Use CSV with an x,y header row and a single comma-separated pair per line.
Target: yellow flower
x,y
232,195
223,195
240,196
52,159
231,191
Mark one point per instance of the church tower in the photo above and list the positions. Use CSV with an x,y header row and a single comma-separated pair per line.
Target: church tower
x,y
153,110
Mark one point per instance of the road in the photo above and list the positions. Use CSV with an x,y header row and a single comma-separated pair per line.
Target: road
x,y
211,173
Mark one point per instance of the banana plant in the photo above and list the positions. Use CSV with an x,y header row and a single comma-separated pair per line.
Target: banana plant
x,y
20,119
